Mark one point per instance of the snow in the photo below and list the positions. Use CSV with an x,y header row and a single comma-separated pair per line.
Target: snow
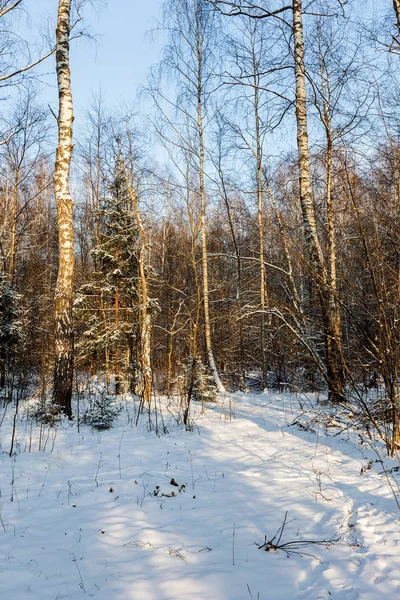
x,y
84,520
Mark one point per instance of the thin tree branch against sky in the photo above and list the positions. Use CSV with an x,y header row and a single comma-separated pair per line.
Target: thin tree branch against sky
x,y
117,60
118,55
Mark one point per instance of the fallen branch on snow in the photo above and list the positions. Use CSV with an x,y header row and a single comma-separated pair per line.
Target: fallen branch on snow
x,y
293,547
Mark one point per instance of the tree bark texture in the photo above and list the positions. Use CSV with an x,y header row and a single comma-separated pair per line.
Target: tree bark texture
x,y
64,341
202,192
260,212
314,249
144,314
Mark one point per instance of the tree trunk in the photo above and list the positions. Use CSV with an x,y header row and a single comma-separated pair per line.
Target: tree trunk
x,y
3,362
13,248
315,254
334,333
106,349
238,276
64,344
145,317
203,229
192,380
260,210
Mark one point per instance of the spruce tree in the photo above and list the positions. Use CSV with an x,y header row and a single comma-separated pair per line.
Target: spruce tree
x,y
11,334
107,306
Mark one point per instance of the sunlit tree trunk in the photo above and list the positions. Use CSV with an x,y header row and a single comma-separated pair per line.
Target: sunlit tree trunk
x,y
203,226
196,319
314,250
64,344
13,245
144,314
106,349
260,213
334,337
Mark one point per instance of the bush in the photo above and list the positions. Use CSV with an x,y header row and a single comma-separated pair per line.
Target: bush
x,y
46,412
103,412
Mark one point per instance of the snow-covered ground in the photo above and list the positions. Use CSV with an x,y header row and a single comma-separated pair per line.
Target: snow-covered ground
x,y
80,518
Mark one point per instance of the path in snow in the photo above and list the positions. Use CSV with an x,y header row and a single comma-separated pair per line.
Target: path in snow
x,y
66,535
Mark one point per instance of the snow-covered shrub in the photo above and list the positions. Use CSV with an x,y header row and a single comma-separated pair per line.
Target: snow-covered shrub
x,y
45,412
103,412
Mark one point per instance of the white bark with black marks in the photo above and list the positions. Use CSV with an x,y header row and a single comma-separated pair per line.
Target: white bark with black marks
x,y
64,350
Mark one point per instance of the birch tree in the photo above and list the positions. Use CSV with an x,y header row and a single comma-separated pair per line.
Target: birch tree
x,y
144,352
22,153
190,54
64,342
253,72
315,255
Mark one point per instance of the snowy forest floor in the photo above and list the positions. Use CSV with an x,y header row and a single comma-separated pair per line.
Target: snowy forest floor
x,y
80,518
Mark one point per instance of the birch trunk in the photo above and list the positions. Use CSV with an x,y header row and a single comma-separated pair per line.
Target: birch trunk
x,y
238,275
145,317
334,339
306,199
64,346
13,245
196,321
203,228
260,210
316,257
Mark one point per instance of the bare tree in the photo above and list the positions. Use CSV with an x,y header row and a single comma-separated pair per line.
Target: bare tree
x,y
22,153
14,68
252,77
315,255
189,55
144,304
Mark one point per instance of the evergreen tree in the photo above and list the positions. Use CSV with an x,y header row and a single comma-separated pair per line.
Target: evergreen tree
x,y
10,326
107,305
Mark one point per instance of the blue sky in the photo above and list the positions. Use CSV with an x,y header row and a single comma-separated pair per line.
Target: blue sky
x,y
117,62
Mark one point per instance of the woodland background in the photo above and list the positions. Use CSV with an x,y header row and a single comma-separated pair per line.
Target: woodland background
x,y
212,251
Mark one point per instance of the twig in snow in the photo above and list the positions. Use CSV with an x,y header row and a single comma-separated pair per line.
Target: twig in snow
x,y
2,522
294,547
173,552
233,545
191,470
387,472
251,595
119,455
81,584
98,469
44,481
